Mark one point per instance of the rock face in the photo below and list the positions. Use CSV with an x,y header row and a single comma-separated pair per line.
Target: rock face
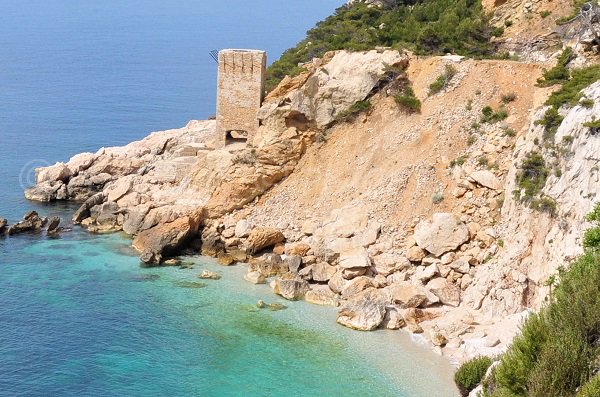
x,y
364,311
443,233
347,78
166,238
263,237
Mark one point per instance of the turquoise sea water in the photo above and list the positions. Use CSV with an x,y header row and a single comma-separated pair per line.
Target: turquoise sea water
x,y
78,315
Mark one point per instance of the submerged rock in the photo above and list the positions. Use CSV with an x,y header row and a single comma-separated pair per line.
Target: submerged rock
x,y
209,275
255,277
189,284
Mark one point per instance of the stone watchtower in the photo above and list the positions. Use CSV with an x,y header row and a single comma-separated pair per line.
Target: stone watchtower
x,y
240,91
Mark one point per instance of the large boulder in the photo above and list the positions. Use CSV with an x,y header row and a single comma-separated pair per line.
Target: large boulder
x,y
487,179
443,233
355,286
84,210
364,311
407,295
53,225
168,238
322,295
355,258
322,271
3,223
47,191
57,172
290,287
268,264
263,237
386,263
448,293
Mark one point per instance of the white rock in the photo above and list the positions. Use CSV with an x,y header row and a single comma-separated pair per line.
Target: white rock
x,y
443,233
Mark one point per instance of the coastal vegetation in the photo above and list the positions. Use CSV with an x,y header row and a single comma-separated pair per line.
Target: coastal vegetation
x,y
431,27
442,80
470,374
531,179
557,353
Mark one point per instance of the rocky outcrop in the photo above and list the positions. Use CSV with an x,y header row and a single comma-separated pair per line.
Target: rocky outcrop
x,y
167,238
31,222
3,223
348,77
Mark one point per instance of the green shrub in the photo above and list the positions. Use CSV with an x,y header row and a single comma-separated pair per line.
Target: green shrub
x,y
591,237
591,388
592,124
587,103
488,115
407,100
459,161
559,73
532,175
442,80
557,352
471,373
431,27
510,97
551,121
437,198
569,93
353,111
545,14
544,204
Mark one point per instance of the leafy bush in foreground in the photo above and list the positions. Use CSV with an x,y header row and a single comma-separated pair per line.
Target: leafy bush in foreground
x,y
590,389
471,373
557,353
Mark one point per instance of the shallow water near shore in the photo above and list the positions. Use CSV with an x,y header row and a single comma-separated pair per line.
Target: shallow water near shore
x,y
81,317
78,315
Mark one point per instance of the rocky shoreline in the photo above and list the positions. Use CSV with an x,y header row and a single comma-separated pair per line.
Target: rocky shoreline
x,y
451,270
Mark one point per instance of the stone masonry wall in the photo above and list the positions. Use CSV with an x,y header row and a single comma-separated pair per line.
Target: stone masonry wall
x,y
240,91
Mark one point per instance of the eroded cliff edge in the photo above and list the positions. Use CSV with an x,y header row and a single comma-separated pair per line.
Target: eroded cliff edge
x,y
402,218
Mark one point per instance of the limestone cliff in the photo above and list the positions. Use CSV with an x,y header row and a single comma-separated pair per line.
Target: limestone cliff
x,y
403,218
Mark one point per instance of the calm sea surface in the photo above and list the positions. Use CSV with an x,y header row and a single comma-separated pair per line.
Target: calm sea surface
x,y
78,315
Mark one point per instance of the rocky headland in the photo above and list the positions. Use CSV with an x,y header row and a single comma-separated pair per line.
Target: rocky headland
x,y
402,219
